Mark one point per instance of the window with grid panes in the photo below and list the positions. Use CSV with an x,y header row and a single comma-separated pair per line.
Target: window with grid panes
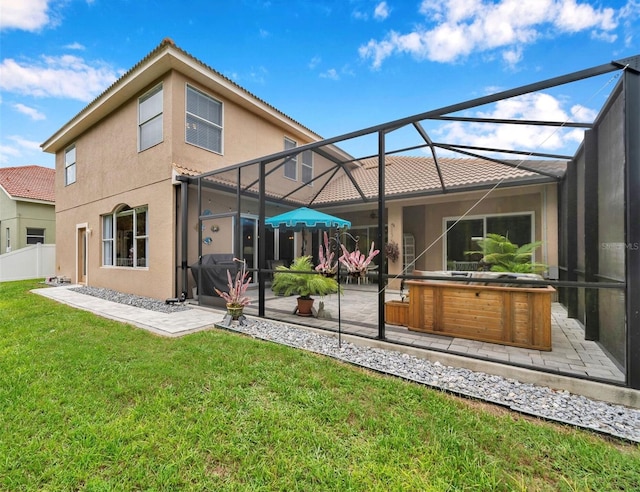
x,y
150,118
125,238
307,167
203,121
35,235
291,163
70,165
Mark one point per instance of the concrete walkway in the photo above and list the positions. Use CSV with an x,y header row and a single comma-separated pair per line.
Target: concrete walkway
x,y
358,309
172,325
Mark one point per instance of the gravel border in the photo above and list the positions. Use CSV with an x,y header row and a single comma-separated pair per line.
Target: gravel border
x,y
131,300
539,401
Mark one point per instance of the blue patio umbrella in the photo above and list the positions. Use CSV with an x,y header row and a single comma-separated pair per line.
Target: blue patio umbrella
x,y
305,218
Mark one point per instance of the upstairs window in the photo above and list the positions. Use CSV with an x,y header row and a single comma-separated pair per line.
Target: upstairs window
x,y
150,118
70,165
307,167
125,238
204,121
35,235
291,163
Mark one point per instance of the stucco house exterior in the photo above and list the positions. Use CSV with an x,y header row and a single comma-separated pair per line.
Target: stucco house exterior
x,y
27,207
116,162
124,165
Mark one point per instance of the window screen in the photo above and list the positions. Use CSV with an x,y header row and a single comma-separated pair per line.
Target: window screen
x,y
204,121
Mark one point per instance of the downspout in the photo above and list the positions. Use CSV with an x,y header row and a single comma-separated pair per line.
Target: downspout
x,y
184,204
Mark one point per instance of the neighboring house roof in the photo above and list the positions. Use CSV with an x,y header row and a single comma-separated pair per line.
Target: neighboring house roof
x,y
164,58
412,176
29,182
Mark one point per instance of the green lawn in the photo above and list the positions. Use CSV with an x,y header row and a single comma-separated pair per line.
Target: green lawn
x,y
91,404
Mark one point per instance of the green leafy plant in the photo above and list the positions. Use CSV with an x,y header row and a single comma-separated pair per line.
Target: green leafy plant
x,y
501,255
299,278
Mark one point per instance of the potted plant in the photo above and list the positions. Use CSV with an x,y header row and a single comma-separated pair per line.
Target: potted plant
x,y
357,263
236,299
501,255
392,251
326,264
300,278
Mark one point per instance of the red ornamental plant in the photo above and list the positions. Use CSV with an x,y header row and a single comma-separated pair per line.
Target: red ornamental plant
x,y
237,288
326,264
356,262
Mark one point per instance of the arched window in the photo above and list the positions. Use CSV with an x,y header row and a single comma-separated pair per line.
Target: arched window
x,y
125,238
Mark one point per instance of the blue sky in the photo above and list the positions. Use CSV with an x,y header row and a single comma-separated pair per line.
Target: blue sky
x,y
335,66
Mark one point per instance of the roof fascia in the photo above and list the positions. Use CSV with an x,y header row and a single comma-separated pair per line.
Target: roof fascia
x,y
17,198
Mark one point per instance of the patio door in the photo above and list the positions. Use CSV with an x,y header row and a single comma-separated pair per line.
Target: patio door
x,y
279,244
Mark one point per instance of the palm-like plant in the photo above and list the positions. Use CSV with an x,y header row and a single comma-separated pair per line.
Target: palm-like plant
x,y
504,256
300,278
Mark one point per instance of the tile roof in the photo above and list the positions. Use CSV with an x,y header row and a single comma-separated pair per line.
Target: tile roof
x,y
30,182
414,176
418,175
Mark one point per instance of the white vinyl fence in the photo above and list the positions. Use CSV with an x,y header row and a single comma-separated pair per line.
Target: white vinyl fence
x,y
37,261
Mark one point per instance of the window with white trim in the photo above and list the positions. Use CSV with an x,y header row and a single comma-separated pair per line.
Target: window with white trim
x,y
203,121
290,163
125,238
70,165
8,248
150,118
463,236
35,235
307,167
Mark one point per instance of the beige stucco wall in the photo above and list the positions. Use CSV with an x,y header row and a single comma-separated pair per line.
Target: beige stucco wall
x,y
110,172
424,218
156,280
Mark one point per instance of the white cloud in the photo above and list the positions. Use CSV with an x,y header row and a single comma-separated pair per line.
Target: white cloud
x,y
24,143
512,57
27,15
332,74
539,106
65,76
359,15
75,46
32,113
8,152
381,11
453,29
314,62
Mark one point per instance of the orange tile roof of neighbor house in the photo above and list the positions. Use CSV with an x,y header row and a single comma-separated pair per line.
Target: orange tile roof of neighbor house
x,y
29,182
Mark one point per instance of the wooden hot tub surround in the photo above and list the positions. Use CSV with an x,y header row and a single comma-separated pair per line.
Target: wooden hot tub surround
x,y
509,315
